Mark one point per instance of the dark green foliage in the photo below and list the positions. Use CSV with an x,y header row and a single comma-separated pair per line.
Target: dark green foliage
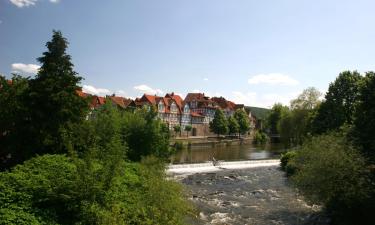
x,y
13,119
219,125
340,103
364,124
145,135
260,137
188,128
332,173
243,121
274,117
53,103
233,125
177,129
287,164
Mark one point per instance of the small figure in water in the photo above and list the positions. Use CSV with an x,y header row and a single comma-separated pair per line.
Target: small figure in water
x,y
214,162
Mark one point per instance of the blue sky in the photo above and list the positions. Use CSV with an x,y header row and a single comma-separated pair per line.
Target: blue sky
x,y
250,51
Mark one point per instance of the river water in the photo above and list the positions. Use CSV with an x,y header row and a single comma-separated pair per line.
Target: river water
x,y
205,152
248,188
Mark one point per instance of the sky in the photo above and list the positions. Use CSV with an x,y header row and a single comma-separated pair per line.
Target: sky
x,y
248,51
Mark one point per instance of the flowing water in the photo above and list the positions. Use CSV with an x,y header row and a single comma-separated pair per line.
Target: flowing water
x,y
248,188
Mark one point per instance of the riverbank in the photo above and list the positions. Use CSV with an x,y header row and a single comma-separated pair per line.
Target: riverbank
x,y
210,141
258,195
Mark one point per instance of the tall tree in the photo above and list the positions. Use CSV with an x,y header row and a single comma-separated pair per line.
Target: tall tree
x,y
243,120
307,100
53,100
219,124
364,123
339,105
13,119
274,117
233,126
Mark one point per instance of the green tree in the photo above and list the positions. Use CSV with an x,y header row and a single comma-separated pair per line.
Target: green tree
x,y
53,102
145,135
188,128
13,119
340,102
330,172
177,129
274,116
364,123
233,126
219,124
243,121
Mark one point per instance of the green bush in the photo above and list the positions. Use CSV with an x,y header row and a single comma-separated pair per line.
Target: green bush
x,y
260,137
287,164
54,189
334,174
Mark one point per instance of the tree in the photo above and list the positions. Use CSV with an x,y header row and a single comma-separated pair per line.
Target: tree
x,y
340,102
364,123
243,121
188,128
53,101
219,124
177,129
329,171
233,126
307,100
13,119
274,117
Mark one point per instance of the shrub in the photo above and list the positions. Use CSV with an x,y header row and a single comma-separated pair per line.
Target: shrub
x,y
287,164
260,137
54,189
334,174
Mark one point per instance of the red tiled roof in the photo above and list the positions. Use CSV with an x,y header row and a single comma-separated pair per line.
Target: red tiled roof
x,y
194,114
194,96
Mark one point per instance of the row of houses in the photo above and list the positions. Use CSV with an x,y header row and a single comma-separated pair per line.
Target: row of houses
x,y
196,110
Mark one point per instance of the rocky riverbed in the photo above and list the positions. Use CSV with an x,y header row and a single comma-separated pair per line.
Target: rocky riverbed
x,y
260,196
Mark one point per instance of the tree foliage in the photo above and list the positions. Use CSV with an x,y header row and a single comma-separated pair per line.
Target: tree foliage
x,y
329,171
219,125
233,126
243,120
364,123
340,103
274,116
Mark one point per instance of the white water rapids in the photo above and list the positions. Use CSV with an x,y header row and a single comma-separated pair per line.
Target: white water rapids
x,y
187,169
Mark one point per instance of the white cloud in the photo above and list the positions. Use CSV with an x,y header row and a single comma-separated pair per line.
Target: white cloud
x,y
95,91
264,100
120,93
273,79
27,3
25,68
205,79
23,3
143,88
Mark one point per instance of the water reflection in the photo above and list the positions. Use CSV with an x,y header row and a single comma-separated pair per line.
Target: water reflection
x,y
204,153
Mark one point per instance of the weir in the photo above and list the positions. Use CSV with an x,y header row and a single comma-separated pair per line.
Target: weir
x,y
222,165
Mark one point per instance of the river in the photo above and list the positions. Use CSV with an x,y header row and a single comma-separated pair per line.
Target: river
x,y
248,188
204,152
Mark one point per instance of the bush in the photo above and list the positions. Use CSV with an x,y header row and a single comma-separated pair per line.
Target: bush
x,y
287,164
260,137
54,189
332,173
